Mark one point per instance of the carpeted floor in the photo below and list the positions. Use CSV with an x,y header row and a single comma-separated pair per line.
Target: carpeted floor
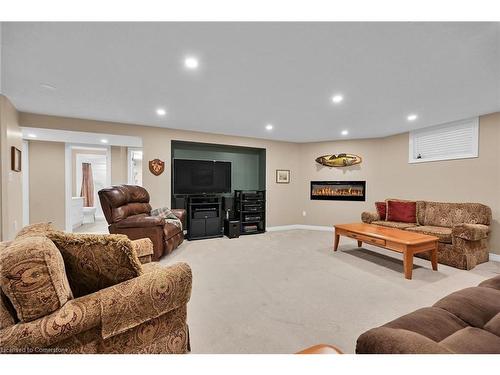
x,y
283,291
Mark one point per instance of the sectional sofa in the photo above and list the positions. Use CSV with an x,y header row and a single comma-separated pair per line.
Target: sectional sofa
x,y
464,322
462,228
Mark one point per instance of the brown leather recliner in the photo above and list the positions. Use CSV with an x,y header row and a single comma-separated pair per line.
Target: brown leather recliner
x,y
127,211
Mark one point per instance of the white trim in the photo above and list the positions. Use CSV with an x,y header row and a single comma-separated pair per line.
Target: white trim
x,y
495,257
68,180
300,226
84,138
26,183
475,153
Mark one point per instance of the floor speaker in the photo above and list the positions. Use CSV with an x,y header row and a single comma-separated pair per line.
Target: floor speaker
x,y
179,202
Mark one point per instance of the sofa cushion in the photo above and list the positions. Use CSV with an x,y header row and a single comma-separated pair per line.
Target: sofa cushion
x,y
431,322
381,208
7,312
472,340
494,283
471,232
443,233
447,214
475,306
33,277
95,261
405,212
493,325
393,224
37,229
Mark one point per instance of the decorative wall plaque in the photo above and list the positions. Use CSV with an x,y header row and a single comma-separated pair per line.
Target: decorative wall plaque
x,y
156,166
339,160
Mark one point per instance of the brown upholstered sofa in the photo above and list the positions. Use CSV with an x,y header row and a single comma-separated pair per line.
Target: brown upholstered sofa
x,y
67,293
127,211
467,321
462,229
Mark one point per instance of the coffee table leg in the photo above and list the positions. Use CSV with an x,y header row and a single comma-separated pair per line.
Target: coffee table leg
x,y
408,264
434,258
336,238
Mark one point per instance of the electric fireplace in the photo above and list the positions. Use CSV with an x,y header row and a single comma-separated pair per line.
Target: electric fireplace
x,y
338,190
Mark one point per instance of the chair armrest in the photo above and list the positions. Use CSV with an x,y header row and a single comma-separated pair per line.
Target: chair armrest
x,y
368,217
144,249
471,232
140,221
76,316
181,214
133,302
385,340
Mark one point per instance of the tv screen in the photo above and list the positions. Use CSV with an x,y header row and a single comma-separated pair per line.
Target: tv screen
x,y
201,176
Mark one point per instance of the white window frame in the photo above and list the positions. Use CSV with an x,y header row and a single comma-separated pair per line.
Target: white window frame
x,y
474,122
129,163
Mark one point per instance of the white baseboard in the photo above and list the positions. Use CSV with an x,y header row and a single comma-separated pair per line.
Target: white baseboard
x,y
493,257
299,226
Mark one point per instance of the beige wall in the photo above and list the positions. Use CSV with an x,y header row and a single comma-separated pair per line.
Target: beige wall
x,y
387,173
282,206
385,167
11,201
119,171
47,182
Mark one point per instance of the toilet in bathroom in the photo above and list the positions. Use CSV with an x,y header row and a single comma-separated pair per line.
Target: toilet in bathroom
x,y
89,214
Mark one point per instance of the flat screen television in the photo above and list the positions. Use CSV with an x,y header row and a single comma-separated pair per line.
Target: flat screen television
x,y
201,176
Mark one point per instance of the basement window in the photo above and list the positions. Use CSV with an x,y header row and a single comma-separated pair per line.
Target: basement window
x,y
454,140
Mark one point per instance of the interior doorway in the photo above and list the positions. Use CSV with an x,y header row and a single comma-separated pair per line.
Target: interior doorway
x,y
90,172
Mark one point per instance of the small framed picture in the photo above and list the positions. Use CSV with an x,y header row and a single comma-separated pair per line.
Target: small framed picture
x,y
282,176
15,157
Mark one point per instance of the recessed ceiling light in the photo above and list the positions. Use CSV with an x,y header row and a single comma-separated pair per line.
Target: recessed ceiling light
x,y
161,112
337,98
344,132
104,141
191,62
31,135
412,117
269,127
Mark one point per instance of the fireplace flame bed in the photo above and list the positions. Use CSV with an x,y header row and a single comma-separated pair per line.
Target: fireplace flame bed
x,y
338,190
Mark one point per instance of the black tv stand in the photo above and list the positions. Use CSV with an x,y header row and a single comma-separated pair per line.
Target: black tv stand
x,y
204,213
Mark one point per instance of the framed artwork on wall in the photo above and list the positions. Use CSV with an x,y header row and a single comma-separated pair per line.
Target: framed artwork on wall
x,y
282,176
15,158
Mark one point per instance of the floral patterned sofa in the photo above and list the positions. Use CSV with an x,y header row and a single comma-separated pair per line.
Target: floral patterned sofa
x,y
462,229
68,293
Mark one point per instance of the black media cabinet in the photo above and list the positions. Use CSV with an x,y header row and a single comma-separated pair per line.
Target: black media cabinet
x,y
250,207
205,217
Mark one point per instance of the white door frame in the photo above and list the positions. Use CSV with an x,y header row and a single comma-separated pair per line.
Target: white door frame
x,y
68,176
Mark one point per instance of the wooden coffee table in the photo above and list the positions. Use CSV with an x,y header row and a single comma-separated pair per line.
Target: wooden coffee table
x,y
402,241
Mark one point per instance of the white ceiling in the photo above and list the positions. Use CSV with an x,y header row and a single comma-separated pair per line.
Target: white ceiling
x,y
252,74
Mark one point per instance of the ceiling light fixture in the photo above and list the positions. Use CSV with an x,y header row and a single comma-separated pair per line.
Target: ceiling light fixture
x,y
344,132
269,127
412,117
104,141
337,98
31,135
191,63
161,112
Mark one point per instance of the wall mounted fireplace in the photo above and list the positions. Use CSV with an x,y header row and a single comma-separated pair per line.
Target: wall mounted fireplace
x,y
338,190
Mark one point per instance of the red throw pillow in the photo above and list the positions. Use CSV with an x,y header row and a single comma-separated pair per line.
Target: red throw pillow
x,y
404,212
381,209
